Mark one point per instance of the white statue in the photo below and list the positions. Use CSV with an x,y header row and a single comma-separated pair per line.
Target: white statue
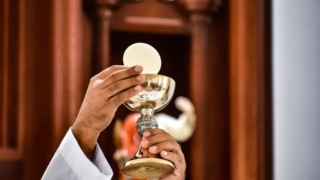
x,y
181,129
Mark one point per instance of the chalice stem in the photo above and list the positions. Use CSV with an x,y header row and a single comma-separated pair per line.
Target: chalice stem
x,y
146,121
138,153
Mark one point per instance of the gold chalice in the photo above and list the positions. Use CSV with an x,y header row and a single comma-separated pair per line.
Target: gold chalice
x,y
157,91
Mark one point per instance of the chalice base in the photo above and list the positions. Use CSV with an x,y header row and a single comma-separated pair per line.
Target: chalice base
x,y
148,168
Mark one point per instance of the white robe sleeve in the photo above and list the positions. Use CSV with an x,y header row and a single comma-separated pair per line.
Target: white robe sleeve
x,y
69,162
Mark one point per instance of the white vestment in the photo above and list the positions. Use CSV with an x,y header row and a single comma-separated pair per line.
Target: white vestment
x,y
70,163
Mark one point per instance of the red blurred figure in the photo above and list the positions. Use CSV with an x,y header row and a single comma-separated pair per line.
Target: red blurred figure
x,y
126,147
127,133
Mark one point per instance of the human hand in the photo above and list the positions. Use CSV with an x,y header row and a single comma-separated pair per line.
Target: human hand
x,y
157,141
106,92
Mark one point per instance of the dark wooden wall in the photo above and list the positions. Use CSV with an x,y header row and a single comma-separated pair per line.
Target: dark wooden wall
x,y
250,90
217,53
11,89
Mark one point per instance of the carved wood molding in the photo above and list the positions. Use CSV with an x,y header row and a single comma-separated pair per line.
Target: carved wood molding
x,y
197,5
205,6
102,11
151,16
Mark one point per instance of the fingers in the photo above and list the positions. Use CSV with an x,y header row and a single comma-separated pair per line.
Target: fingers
x,y
155,139
120,98
151,132
121,74
177,160
166,146
137,140
105,73
145,153
158,140
121,85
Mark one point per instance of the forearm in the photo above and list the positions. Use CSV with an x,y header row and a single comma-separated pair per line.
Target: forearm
x,y
87,139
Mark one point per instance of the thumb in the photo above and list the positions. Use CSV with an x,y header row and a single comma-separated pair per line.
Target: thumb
x,y
137,139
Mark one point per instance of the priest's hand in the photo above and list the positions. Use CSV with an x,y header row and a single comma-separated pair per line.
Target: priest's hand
x,y
106,92
157,141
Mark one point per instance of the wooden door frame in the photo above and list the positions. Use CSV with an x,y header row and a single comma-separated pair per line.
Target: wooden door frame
x,y
250,90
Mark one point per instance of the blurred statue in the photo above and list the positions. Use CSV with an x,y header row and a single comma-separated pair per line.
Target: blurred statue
x,y
181,130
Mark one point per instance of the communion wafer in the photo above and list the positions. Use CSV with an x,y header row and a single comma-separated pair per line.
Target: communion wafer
x,y
145,55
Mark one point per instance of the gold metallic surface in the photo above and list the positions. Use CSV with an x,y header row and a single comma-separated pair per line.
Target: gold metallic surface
x,y
147,168
157,91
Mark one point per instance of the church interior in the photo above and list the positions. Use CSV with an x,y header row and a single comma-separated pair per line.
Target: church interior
x,y
219,52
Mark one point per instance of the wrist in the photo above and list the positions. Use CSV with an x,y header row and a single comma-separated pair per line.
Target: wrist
x,y
86,137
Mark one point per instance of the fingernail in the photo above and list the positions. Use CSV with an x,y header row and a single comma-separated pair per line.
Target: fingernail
x,y
137,88
140,77
138,68
165,153
144,142
153,148
146,134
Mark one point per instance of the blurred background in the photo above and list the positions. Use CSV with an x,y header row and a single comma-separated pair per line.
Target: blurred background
x,y
250,68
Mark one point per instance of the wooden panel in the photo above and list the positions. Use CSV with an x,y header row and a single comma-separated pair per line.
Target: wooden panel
x,y
10,146
38,131
12,75
11,79
44,73
152,16
55,76
101,41
210,150
11,170
249,90
268,152
217,117
151,8
67,64
22,83
199,92
3,60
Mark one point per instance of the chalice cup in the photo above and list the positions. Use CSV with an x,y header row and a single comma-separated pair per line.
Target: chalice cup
x,y
157,91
